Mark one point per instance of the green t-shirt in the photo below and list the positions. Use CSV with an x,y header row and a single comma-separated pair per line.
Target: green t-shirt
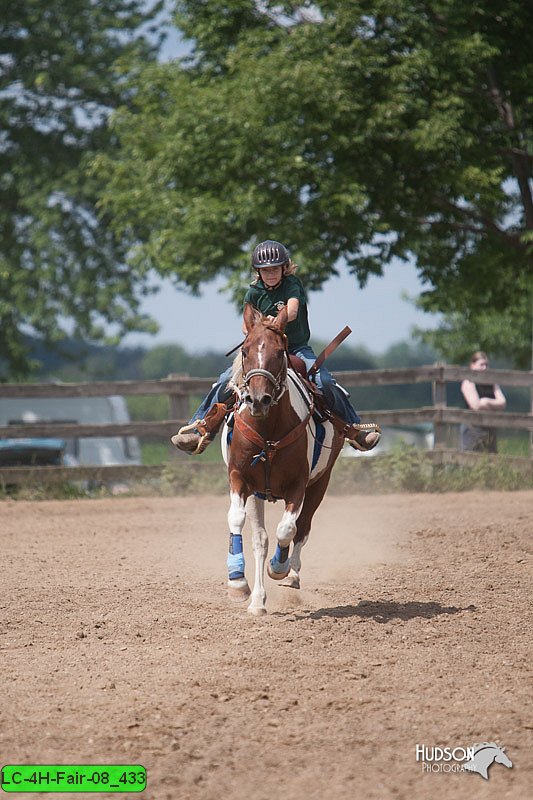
x,y
269,302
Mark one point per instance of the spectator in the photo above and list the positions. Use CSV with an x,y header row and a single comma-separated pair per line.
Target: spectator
x,y
480,397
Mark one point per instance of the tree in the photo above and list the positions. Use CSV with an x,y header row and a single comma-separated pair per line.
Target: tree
x,y
63,69
363,130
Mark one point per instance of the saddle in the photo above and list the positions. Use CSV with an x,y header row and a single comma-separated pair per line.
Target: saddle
x,y
209,426
349,430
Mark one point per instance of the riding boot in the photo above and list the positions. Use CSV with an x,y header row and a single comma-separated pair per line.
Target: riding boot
x,y
363,436
197,435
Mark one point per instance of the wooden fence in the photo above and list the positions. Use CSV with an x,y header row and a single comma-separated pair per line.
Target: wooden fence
x,y
179,388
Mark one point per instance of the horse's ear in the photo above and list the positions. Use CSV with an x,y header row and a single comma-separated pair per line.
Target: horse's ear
x,y
251,316
282,318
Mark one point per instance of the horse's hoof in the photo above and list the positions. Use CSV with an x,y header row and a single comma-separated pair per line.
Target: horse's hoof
x,y
258,611
292,581
238,591
277,576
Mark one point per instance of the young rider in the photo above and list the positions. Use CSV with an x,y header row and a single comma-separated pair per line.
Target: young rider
x,y
276,286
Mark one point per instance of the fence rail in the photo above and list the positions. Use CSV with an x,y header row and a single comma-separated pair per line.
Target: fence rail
x,y
184,385
179,388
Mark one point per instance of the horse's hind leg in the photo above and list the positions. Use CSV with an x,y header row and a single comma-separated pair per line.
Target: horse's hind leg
x,y
255,509
293,578
313,497
238,589
279,565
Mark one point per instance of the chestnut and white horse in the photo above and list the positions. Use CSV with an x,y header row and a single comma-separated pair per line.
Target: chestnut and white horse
x,y
275,449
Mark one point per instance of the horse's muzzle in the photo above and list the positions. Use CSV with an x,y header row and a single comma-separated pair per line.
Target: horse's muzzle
x,y
259,406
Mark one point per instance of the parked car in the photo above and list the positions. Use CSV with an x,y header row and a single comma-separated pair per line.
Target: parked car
x,y
31,452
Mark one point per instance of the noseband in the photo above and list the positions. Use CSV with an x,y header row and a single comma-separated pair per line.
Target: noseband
x,y
278,381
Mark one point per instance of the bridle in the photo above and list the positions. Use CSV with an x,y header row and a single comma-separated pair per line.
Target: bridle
x,y
278,381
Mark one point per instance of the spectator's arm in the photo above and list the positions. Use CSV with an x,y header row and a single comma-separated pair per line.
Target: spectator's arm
x,y
468,388
497,403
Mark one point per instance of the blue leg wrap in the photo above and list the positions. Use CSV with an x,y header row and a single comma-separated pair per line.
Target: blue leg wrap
x,y
235,560
279,562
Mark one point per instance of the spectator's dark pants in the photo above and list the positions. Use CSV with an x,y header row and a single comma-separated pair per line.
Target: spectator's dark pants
x,y
479,440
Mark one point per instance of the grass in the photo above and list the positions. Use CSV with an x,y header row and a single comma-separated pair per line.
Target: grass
x,y
406,469
514,443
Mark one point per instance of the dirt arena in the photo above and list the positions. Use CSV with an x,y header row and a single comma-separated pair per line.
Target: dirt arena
x,y
413,626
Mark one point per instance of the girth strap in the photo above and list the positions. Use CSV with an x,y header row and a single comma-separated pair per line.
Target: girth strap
x,y
270,447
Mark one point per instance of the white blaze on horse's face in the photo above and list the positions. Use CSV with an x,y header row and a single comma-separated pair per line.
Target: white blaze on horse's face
x,y
264,367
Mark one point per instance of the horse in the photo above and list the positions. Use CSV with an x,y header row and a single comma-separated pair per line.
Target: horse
x,y
278,451
485,754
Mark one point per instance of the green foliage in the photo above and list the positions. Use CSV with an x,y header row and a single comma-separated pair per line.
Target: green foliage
x,y
38,491
64,68
347,129
149,408
503,332
406,469
167,359
154,453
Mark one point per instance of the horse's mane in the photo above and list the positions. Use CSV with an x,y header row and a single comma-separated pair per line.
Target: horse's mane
x,y
484,745
236,371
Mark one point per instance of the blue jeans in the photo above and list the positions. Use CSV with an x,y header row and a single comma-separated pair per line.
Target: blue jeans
x,y
218,393
335,397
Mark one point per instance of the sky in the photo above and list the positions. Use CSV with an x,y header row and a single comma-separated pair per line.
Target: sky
x,y
379,315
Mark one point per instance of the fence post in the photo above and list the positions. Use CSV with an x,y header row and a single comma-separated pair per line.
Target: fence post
x,y
179,402
178,405
439,401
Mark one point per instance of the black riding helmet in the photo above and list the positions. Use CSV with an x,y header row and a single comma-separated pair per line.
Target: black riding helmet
x,y
269,254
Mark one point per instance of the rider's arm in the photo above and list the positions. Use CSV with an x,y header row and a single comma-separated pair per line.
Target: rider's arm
x,y
293,305
292,309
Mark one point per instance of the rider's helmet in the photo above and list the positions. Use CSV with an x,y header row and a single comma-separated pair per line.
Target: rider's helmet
x,y
270,254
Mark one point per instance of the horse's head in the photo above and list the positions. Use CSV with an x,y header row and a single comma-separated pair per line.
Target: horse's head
x,y
264,360
503,758
485,753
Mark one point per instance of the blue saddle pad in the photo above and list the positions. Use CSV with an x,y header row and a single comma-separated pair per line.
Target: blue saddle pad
x,y
319,439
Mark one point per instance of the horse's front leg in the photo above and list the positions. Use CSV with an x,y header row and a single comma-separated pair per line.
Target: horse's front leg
x,y
279,565
238,589
256,512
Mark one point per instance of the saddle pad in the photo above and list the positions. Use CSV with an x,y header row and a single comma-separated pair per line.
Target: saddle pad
x,y
319,439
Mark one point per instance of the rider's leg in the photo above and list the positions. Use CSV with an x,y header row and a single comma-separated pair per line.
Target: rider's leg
x,y
188,438
337,400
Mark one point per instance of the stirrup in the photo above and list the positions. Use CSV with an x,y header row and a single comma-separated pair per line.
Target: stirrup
x,y
188,428
363,427
203,442
205,436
